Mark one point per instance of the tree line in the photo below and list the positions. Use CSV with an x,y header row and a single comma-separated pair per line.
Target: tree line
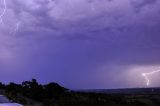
x,y
33,90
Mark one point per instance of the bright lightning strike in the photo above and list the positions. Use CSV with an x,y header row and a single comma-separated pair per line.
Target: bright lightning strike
x,y
4,11
145,75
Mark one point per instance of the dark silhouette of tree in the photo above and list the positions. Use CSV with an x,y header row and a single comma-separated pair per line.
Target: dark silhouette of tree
x,y
13,88
2,86
53,94
53,90
32,89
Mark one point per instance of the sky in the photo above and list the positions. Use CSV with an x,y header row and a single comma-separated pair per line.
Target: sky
x,y
80,44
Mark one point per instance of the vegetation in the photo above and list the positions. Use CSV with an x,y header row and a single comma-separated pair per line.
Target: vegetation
x,y
31,93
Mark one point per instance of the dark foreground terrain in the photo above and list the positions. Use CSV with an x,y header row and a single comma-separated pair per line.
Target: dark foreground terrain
x,y
30,93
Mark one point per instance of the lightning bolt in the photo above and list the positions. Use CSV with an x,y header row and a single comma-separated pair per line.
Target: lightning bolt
x,y
17,26
4,11
145,75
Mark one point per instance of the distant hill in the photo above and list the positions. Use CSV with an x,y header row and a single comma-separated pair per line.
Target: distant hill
x,y
125,90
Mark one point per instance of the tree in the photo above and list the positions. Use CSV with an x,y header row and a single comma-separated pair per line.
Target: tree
x,y
32,89
2,86
53,90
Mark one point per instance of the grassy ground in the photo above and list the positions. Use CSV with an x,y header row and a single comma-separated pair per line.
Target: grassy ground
x,y
91,99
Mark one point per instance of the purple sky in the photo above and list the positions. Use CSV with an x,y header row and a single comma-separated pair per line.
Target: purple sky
x,y
80,43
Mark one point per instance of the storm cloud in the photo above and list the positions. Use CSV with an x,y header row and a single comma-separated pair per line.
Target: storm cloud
x,y
80,43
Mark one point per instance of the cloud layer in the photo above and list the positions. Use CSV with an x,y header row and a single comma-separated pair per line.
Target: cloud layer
x,y
86,40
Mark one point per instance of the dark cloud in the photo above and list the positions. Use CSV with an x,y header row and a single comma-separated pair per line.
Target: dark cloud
x,y
80,43
142,3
